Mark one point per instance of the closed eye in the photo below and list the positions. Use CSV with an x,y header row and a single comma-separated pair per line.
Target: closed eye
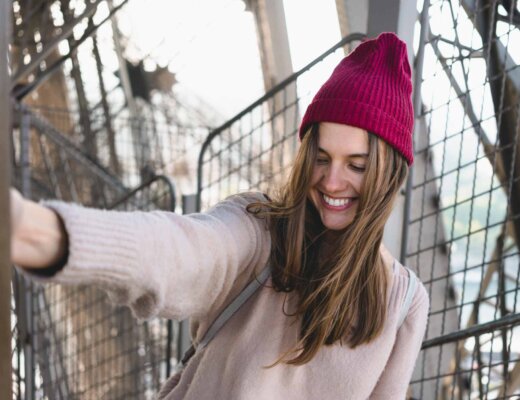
x,y
322,161
356,168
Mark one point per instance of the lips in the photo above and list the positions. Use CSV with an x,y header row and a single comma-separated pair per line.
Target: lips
x,y
336,203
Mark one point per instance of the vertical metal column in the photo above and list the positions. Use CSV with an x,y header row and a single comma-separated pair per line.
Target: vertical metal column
x,y
25,162
24,307
189,206
5,164
417,104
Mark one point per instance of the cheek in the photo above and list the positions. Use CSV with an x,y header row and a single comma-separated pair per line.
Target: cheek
x,y
357,183
317,173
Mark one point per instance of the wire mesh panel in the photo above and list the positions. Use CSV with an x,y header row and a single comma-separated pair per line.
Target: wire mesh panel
x,y
256,148
69,342
464,223
71,67
91,122
172,147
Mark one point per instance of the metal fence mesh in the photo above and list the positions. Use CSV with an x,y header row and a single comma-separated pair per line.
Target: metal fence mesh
x,y
464,220
461,232
69,342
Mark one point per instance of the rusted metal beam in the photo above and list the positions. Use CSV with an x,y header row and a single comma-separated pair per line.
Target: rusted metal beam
x,y
25,70
5,164
512,384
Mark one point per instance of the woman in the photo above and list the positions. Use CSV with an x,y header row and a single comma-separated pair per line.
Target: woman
x,y
327,322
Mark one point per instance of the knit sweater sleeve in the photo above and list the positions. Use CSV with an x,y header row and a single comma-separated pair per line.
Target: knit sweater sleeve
x,y
162,263
393,382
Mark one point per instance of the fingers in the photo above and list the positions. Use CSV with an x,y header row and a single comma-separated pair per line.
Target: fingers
x,y
17,208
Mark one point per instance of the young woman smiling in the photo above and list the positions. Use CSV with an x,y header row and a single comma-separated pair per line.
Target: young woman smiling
x,y
323,311
338,174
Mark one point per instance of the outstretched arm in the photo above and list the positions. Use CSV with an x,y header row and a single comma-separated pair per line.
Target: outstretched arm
x,y
159,263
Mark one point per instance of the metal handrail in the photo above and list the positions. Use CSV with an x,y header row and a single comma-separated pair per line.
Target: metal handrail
x,y
164,178
476,330
45,128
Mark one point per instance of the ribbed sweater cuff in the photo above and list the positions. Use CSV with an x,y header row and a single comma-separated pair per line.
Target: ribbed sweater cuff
x,y
102,247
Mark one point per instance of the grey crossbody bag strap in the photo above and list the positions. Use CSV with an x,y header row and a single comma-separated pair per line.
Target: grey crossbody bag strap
x,y
251,289
228,312
410,292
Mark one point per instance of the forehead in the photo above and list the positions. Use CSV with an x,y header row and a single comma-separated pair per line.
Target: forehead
x,y
342,139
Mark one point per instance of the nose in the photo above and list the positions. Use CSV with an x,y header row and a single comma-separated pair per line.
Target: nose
x,y
334,179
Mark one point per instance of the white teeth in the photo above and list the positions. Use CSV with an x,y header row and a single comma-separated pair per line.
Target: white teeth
x,y
336,202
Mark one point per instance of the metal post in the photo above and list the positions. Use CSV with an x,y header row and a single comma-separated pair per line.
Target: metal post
x,y
139,138
24,306
417,104
189,206
5,173
25,162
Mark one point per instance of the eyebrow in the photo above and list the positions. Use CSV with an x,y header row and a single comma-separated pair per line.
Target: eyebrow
x,y
355,155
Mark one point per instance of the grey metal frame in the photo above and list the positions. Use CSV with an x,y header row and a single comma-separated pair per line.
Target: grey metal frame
x,y
5,271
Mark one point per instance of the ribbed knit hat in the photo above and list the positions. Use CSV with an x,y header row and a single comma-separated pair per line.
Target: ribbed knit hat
x,y
371,89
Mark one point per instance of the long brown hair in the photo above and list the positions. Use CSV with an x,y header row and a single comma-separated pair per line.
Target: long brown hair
x,y
342,295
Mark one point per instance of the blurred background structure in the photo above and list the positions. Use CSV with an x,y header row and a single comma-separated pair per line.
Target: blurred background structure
x,y
173,105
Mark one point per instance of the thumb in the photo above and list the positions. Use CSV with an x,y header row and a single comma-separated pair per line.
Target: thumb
x,y
17,207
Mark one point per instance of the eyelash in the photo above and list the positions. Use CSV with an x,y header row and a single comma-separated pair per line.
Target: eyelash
x,y
357,169
322,161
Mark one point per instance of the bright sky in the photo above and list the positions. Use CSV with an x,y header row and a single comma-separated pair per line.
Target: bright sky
x,y
211,45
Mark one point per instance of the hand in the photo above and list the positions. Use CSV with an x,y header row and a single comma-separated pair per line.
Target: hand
x,y
38,237
17,205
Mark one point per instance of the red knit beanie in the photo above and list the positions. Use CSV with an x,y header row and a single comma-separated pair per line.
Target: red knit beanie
x,y
371,89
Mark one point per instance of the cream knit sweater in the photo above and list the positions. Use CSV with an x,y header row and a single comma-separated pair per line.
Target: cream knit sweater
x,y
173,266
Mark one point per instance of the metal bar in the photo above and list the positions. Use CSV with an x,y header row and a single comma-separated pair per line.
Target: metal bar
x,y
470,113
478,347
501,323
111,135
52,363
512,384
23,91
24,310
25,162
65,33
142,155
46,129
417,103
123,70
69,176
189,206
471,8
89,141
169,343
5,172
49,167
164,178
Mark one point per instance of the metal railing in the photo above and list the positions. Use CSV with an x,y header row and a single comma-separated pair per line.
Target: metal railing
x,y
69,342
461,226
464,220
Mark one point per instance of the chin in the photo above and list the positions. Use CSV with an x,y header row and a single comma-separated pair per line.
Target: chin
x,y
336,224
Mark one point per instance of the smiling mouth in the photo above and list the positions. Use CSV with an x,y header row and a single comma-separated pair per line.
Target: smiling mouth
x,y
337,203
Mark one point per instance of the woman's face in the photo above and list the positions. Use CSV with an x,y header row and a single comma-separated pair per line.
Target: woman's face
x,y
338,173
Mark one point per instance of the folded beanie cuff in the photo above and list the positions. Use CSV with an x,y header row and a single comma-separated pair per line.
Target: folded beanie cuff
x,y
371,89
364,116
